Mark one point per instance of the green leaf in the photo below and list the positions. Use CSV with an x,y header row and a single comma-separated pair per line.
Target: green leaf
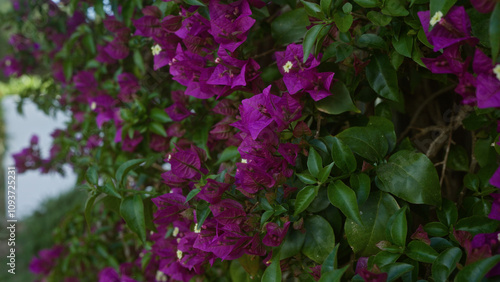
x,y
360,183
290,26
125,168
109,189
314,162
320,239
306,178
132,211
403,45
337,103
158,128
339,50
420,251
458,158
477,270
445,263
292,245
138,61
368,3
273,271
436,229
202,212
442,6
159,115
334,275
342,197
324,173
230,153
68,68
194,2
412,177
265,217
343,21
310,39
313,10
448,214
383,78
367,142
347,8
387,128
477,224
378,19
397,227
494,32
91,175
343,156
330,262
396,270
192,194
89,204
394,8
375,213
305,198
384,258
370,40
88,41
326,7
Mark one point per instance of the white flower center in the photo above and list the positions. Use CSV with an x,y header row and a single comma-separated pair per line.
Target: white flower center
x,y
179,254
160,276
93,106
244,161
197,229
436,18
156,49
176,231
496,70
287,66
8,63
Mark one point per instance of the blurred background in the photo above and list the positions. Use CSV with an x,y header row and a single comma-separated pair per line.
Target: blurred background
x,y
42,200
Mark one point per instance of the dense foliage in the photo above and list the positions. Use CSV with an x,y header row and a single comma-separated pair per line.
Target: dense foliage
x,y
284,140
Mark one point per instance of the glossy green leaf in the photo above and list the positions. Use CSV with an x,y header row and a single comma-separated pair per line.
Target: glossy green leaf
x,y
420,251
403,45
494,32
192,194
132,211
158,128
320,239
343,156
360,183
306,178
326,7
194,2
396,270
445,263
109,189
398,228
375,213
477,224
339,50
125,168
313,10
378,19
448,214
292,245
383,78
310,39
334,275
387,128
458,158
273,271
343,21
314,162
290,26
202,212
367,142
412,177
324,173
305,198
344,198
330,262
337,103
436,229
370,40
477,270
384,258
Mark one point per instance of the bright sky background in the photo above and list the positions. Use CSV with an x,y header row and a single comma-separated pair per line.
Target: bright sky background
x,y
32,187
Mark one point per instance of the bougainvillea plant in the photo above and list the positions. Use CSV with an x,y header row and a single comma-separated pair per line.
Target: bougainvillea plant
x,y
276,141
